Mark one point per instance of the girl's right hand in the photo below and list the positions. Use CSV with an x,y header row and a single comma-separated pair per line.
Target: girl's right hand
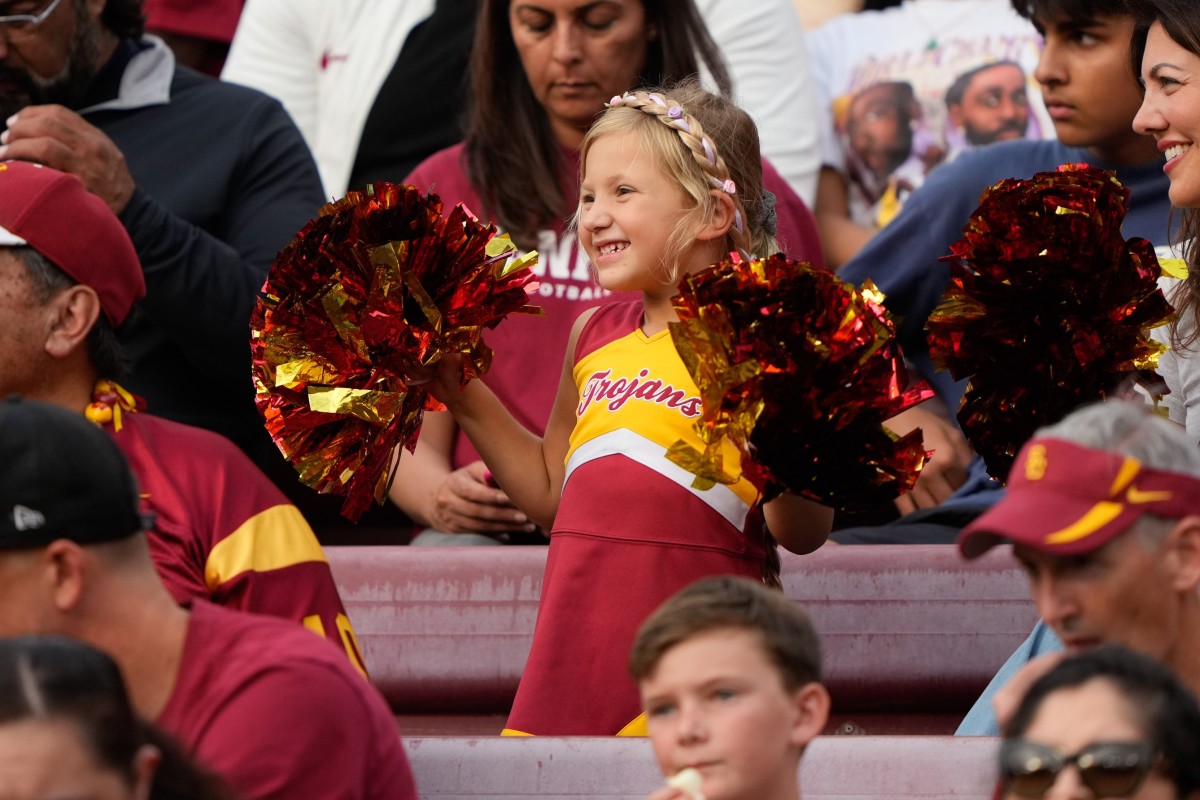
x,y
466,503
440,380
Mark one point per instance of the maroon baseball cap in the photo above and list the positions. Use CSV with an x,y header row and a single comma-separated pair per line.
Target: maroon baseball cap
x,y
1065,499
54,214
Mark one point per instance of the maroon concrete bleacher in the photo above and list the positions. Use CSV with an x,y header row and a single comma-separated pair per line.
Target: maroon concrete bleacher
x,y
834,768
911,634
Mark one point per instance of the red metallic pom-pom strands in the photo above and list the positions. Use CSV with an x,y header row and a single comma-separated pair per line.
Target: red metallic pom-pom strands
x,y
1047,307
799,370
357,308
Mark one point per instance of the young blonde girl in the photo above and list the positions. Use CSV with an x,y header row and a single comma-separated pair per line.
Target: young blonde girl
x,y
671,183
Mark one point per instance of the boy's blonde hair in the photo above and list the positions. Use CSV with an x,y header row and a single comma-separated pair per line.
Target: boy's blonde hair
x,y
702,142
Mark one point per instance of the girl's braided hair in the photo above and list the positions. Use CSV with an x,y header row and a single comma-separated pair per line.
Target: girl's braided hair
x,y
720,151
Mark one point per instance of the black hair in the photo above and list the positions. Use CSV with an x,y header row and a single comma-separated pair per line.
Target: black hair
x,y
124,18
104,350
1169,715
1046,10
61,679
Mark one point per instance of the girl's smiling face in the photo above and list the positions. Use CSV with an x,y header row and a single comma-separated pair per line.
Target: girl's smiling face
x,y
628,208
1170,112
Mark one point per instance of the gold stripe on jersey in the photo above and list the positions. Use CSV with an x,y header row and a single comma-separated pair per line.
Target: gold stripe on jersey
x,y
272,539
636,398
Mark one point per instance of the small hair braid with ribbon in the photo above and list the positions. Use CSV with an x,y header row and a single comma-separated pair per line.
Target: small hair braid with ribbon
x,y
702,148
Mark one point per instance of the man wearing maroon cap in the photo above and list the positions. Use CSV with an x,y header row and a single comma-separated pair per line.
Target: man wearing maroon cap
x,y
209,180
1103,511
271,708
68,278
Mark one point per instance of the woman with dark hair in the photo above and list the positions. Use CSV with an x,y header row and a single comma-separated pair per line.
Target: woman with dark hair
x,y
1109,722
1166,56
541,71
67,730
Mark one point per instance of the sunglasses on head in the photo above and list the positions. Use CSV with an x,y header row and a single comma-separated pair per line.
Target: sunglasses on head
x,y
1108,769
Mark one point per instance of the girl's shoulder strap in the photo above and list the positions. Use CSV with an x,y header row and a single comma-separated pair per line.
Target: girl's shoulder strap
x,y
608,323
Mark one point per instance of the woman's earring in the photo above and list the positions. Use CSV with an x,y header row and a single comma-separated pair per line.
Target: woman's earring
x,y
652,32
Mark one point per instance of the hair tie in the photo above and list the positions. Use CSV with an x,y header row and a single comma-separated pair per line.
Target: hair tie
x,y
616,101
767,219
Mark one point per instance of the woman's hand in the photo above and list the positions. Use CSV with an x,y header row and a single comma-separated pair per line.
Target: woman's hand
x,y
946,470
466,502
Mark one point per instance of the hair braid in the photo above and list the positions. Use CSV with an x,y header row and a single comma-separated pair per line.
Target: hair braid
x,y
700,145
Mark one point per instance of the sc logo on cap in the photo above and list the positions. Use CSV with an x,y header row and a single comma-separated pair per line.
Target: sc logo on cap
x,y
1036,463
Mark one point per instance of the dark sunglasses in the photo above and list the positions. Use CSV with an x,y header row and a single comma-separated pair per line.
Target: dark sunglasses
x,y
1109,769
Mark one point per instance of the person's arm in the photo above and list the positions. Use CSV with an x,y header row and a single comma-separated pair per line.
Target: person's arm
x,y
841,237
799,525
763,45
432,493
530,469
273,51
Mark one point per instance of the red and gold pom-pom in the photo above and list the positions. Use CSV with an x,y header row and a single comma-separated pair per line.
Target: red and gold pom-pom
x,y
799,370
109,401
357,308
1047,308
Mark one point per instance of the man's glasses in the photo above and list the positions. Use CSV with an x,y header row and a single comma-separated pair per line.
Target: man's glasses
x,y
1109,769
17,25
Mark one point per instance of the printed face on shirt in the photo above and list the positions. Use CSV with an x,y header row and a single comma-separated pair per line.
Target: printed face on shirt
x,y
1170,112
716,703
1119,593
628,208
53,62
994,105
44,759
880,126
577,54
1087,87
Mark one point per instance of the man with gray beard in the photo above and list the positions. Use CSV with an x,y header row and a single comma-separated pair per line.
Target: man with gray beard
x,y
210,180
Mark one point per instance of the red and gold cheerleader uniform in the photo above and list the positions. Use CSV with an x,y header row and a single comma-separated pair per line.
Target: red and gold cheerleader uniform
x,y
629,533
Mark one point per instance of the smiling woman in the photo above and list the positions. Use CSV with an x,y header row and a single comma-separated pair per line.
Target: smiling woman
x,y
1166,56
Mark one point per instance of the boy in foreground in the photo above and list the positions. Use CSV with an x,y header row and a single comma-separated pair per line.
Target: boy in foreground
x,y
730,678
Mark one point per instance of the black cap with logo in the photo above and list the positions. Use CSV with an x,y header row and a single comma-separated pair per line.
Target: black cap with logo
x,y
61,477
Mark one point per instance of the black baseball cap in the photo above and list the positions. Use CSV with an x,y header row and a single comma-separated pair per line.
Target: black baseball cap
x,y
62,477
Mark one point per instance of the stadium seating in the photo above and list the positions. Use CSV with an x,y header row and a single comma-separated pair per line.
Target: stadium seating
x,y
911,634
834,768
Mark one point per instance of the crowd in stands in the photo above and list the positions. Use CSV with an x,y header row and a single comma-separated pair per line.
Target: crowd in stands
x,y
174,627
